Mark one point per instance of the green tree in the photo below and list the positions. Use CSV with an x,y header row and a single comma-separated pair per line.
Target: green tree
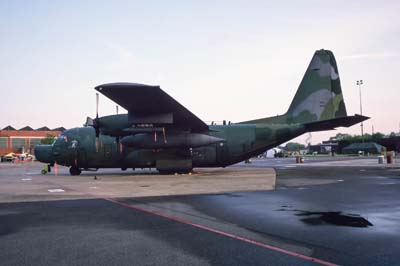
x,y
377,136
49,139
340,136
294,146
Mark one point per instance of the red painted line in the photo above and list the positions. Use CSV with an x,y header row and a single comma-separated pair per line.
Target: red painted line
x,y
206,228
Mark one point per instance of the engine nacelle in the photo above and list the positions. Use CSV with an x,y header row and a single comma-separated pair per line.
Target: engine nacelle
x,y
172,140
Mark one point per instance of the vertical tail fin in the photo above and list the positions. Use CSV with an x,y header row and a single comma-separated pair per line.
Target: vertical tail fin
x,y
318,103
319,96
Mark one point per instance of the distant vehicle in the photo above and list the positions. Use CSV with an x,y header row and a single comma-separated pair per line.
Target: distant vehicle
x,y
25,157
9,157
281,154
13,157
159,132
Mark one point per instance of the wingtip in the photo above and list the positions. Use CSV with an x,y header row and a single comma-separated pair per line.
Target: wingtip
x,y
121,85
362,117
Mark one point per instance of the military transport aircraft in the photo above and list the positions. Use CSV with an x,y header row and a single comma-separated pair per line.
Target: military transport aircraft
x,y
159,132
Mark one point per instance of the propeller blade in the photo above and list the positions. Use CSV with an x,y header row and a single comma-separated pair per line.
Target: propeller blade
x,y
97,144
97,105
163,131
96,124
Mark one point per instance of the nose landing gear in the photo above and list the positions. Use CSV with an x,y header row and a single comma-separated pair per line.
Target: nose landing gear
x,y
46,169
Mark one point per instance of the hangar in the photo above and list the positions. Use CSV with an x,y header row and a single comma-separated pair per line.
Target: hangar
x,y
366,147
24,139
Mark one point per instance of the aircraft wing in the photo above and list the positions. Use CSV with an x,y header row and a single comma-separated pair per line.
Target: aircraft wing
x,y
151,105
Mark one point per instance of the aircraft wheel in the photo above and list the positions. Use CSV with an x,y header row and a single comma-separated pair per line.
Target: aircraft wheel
x,y
124,168
174,171
164,172
184,171
74,170
44,172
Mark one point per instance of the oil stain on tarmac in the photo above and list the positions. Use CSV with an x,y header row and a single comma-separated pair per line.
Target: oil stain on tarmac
x,y
333,218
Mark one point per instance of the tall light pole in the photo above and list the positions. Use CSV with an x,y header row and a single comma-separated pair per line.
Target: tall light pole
x,y
359,83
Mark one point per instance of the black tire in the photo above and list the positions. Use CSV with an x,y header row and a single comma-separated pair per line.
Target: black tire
x,y
74,170
174,171
165,172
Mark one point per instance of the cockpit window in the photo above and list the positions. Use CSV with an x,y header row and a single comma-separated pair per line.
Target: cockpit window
x,y
62,138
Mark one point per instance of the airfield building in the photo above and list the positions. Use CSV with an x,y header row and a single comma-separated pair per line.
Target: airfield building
x,y
391,143
24,139
366,147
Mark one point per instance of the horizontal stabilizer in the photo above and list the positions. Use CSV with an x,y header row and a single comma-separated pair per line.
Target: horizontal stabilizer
x,y
346,121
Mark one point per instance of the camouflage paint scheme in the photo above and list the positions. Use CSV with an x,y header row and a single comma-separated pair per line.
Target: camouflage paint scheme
x,y
317,105
319,96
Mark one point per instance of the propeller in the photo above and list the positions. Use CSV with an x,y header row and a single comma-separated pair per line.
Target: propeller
x,y
96,124
97,105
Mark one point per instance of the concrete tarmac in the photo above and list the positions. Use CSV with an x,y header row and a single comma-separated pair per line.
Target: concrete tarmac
x,y
23,182
321,212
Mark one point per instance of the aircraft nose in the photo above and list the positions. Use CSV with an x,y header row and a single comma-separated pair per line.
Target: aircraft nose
x,y
43,153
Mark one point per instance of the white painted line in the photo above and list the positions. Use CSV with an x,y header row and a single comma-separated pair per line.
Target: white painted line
x,y
388,183
301,188
92,187
56,190
26,179
289,166
340,180
362,170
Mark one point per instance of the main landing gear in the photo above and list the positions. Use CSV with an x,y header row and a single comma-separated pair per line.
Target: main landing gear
x,y
73,170
175,171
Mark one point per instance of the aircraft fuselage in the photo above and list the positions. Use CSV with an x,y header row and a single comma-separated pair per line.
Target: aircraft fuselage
x,y
78,147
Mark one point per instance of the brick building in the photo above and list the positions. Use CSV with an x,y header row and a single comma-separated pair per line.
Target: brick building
x,y
24,139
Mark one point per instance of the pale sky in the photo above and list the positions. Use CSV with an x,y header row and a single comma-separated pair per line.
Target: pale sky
x,y
233,60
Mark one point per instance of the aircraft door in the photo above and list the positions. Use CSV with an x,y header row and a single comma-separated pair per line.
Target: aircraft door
x,y
82,157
